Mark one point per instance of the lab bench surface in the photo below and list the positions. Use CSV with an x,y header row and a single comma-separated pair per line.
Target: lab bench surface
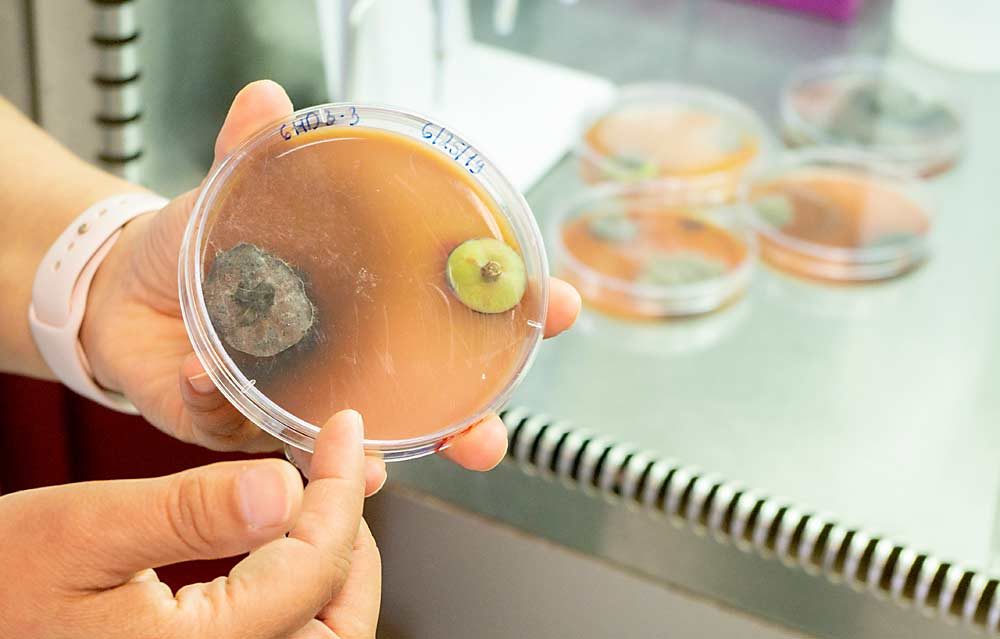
x,y
847,431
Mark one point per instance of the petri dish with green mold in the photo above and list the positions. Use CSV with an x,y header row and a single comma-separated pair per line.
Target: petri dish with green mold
x,y
365,257
889,109
840,215
651,132
647,253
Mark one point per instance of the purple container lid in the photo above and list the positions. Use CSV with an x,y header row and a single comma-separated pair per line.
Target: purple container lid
x,y
841,10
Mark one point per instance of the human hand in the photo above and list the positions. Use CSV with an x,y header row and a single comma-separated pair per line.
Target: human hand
x,y
78,558
136,342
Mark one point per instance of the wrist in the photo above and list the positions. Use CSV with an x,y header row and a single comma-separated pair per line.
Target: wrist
x,y
61,289
108,303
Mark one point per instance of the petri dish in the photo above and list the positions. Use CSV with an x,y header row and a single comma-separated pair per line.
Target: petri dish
x,y
646,253
838,214
666,131
887,109
661,339
365,257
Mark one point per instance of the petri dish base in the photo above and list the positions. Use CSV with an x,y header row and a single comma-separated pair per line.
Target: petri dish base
x,y
888,109
689,134
365,257
648,253
840,215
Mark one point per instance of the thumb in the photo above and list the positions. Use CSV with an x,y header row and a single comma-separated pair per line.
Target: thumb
x,y
257,104
111,530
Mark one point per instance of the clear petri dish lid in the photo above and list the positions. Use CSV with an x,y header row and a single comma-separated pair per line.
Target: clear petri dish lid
x,y
653,132
889,109
840,214
647,252
365,257
661,339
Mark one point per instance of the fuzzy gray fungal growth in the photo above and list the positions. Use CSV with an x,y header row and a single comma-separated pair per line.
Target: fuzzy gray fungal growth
x,y
257,303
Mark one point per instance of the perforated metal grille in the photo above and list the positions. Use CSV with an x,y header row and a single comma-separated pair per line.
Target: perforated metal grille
x,y
753,522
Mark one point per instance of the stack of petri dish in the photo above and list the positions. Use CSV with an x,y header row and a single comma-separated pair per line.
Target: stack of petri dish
x,y
848,209
849,206
662,231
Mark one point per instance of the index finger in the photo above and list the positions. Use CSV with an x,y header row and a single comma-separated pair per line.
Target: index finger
x,y
283,584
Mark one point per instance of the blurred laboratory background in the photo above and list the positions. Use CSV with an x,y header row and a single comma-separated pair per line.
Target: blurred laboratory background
x,y
777,415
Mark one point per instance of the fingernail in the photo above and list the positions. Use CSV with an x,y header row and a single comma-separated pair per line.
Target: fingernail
x,y
352,419
201,383
271,85
263,497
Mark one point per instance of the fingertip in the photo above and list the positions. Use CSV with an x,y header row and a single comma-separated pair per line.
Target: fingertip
x,y
351,420
339,447
375,475
293,485
482,447
211,421
300,459
255,105
191,365
564,307
193,372
289,474
267,88
260,97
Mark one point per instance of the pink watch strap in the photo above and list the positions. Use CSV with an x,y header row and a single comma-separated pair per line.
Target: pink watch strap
x,y
59,296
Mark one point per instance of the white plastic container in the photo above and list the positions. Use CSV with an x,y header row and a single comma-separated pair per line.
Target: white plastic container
x,y
959,34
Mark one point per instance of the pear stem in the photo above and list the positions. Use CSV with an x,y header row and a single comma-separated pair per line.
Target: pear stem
x,y
491,271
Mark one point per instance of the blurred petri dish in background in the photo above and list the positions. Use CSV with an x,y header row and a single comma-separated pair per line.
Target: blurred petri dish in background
x,y
363,257
838,214
681,336
665,131
887,109
653,252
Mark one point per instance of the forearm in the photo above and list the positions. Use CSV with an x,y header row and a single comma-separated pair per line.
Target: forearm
x,y
42,188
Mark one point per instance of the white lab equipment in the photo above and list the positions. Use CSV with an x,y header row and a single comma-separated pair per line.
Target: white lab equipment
x,y
421,55
960,34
